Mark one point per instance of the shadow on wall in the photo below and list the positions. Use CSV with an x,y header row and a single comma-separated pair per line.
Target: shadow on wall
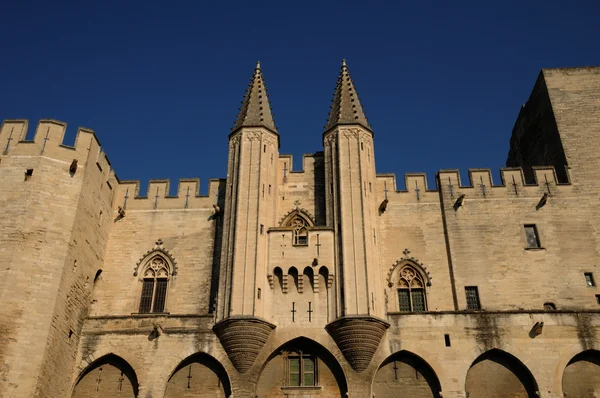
x,y
108,376
300,364
496,373
581,377
407,374
201,376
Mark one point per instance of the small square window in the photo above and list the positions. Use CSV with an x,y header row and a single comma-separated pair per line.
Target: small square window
x,y
473,302
533,238
598,299
589,279
447,340
28,174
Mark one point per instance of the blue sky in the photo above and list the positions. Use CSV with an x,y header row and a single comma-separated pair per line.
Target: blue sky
x,y
161,82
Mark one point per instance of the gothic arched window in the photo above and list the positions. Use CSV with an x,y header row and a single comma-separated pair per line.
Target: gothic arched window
x,y
300,230
411,290
155,279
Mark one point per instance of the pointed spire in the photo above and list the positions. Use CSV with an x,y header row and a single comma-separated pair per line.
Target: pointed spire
x,y
256,109
346,108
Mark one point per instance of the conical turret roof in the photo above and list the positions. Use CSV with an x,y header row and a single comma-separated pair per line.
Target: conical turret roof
x,y
256,109
346,108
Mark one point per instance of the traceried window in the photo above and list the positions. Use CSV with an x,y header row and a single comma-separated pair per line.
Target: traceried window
x,y
411,291
302,370
154,287
300,231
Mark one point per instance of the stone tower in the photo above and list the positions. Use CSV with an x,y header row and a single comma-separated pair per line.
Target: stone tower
x,y
52,242
352,212
251,194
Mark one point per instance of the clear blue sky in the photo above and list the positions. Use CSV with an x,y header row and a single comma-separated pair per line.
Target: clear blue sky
x,y
161,82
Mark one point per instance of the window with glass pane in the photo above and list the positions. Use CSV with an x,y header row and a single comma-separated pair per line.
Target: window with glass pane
x,y
404,299
294,371
418,300
533,239
589,279
309,372
411,290
302,371
160,295
472,298
146,300
154,287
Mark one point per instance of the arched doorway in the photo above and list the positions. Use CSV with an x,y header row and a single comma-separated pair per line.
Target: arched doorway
x,y
199,376
581,377
496,373
406,375
302,367
109,376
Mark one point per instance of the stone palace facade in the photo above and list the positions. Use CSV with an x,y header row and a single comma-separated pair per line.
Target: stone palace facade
x,y
325,282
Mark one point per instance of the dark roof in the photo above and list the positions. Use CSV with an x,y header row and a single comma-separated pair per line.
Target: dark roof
x,y
346,108
256,109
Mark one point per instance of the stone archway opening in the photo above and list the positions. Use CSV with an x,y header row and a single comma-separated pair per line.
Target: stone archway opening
x,y
199,376
405,374
496,373
302,367
581,377
108,376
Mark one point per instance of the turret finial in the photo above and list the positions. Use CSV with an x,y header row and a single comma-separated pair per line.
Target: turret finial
x,y
346,107
256,110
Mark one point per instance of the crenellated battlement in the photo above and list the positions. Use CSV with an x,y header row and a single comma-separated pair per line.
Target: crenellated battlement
x,y
157,196
48,141
308,162
480,183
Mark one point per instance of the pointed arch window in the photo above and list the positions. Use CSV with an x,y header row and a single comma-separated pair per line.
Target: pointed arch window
x,y
155,280
411,291
300,234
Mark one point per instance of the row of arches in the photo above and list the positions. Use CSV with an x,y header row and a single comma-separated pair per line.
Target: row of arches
x,y
303,363
311,277
200,375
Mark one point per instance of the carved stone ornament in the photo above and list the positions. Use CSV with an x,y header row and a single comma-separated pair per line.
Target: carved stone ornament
x,y
269,139
243,338
233,141
253,136
364,136
407,259
330,138
350,133
358,337
291,215
160,250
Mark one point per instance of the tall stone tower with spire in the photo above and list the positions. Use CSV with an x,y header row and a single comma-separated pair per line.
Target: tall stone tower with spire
x,y
352,213
250,198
